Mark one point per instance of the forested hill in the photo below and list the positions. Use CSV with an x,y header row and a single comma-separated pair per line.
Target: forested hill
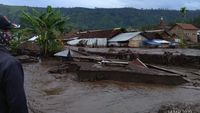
x,y
100,18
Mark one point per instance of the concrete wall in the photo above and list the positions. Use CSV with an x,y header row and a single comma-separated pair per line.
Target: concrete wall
x,y
136,41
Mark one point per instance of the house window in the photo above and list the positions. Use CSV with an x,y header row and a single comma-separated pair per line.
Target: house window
x,y
187,34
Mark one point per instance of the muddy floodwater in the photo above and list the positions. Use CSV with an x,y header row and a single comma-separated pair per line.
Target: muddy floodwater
x,y
59,93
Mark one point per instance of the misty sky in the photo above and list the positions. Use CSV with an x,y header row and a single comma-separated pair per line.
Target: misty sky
x,y
146,4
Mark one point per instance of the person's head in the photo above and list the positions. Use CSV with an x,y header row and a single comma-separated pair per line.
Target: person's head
x,y
5,27
6,24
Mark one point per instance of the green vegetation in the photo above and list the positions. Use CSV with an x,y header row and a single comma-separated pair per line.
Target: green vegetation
x,y
196,21
100,18
48,26
183,12
19,36
182,43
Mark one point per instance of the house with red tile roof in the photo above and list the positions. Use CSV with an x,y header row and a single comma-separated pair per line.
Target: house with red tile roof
x,y
186,31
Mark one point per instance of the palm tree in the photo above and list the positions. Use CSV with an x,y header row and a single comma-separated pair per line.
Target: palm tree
x,y
183,12
48,26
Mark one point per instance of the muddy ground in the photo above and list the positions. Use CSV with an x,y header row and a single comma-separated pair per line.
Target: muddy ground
x,y
59,93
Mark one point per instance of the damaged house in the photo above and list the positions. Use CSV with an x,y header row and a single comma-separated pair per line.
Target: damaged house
x,y
93,38
157,38
157,34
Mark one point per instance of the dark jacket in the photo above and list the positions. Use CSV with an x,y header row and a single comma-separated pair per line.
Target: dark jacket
x,y
12,95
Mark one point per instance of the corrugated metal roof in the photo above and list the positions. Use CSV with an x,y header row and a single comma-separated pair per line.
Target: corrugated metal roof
x,y
124,37
74,42
33,38
64,53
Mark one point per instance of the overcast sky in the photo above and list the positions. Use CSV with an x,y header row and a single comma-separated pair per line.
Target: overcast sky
x,y
146,4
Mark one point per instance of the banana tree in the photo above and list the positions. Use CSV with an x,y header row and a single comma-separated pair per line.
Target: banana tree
x,y
48,26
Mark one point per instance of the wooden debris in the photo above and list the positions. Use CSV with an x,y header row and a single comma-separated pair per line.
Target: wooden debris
x,y
167,70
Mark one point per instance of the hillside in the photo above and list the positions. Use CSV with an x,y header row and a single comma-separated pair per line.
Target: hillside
x,y
100,18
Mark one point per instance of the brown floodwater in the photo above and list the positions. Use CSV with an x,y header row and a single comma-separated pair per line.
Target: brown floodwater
x,y
59,93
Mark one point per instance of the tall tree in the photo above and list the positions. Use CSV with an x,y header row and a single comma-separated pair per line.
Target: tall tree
x,y
48,26
183,12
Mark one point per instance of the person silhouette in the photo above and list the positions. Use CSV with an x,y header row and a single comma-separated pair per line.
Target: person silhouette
x,y
12,94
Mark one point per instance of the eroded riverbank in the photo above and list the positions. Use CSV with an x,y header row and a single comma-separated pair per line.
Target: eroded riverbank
x,y
158,56
58,93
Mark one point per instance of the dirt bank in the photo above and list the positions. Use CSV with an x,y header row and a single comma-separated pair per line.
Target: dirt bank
x,y
177,57
58,93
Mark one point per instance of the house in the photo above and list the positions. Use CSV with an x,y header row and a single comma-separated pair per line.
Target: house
x,y
92,38
186,31
158,38
131,39
94,34
157,34
88,42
